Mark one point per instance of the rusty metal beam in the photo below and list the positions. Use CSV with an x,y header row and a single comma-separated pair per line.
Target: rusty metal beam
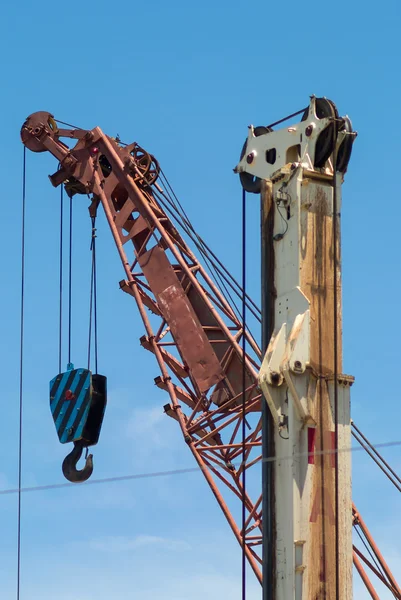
x,y
358,521
364,577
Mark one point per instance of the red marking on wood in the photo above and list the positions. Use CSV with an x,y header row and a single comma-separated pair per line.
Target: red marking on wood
x,y
330,445
311,445
317,506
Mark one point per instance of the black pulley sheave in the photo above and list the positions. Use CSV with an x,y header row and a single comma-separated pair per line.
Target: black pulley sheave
x,y
249,182
345,149
326,141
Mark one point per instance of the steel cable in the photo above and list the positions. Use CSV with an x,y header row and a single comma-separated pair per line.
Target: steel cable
x,y
206,247
197,469
70,285
21,375
335,343
61,281
93,299
243,512
212,266
371,450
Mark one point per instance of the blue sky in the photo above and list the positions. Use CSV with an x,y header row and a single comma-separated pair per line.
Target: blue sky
x,y
184,80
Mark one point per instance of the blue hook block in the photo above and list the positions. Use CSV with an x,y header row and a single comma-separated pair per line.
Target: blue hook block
x,y
77,402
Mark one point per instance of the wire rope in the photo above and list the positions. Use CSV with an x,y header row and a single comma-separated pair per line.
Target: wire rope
x,y
70,283
243,507
60,339
182,471
21,373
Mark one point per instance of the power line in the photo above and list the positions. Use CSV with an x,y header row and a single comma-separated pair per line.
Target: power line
x,y
183,471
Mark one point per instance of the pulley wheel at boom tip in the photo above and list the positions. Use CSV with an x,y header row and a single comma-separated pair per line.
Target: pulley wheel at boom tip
x,y
146,164
249,182
345,149
326,141
34,126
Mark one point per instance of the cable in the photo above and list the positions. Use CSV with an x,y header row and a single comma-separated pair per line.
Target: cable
x,y
152,474
21,371
204,249
214,270
299,112
95,292
368,549
61,279
335,342
243,394
68,124
392,476
70,285
205,246
93,297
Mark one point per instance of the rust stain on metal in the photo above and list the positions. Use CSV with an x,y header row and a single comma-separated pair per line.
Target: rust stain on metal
x,y
322,548
186,329
317,276
317,283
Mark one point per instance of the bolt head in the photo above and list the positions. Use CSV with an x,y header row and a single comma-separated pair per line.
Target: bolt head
x,y
249,158
308,130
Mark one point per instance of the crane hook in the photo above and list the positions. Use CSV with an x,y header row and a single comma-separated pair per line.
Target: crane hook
x,y
70,470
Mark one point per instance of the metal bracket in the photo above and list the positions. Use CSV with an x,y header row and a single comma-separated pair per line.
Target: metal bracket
x,y
287,358
296,143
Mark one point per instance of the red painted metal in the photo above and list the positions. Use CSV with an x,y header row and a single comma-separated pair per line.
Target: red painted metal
x,y
183,311
190,328
365,578
390,581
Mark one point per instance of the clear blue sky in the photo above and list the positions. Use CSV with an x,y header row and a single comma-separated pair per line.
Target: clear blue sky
x,y
184,80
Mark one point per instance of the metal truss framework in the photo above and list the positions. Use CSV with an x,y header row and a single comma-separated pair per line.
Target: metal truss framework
x,y
376,563
191,328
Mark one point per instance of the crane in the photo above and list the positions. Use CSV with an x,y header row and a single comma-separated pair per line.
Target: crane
x,y
217,377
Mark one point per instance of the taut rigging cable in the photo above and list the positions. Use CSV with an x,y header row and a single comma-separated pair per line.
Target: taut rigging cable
x,y
243,507
371,450
70,284
335,341
21,371
93,297
216,268
60,334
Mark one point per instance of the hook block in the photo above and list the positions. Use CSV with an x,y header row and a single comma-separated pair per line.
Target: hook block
x,y
78,401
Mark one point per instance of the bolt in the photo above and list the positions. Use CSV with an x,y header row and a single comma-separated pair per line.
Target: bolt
x,y
68,162
275,377
297,364
308,130
249,158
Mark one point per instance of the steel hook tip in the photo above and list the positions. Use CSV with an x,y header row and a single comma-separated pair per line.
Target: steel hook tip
x,y
69,467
